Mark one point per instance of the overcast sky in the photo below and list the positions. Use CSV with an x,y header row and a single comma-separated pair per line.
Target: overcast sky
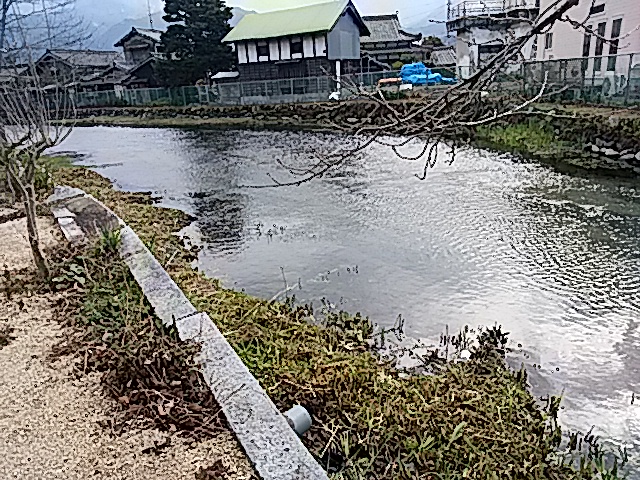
x,y
411,11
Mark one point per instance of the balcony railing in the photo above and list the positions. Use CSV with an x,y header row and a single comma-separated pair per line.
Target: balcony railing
x,y
477,8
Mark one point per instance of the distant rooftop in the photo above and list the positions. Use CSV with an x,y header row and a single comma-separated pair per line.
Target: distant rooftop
x,y
321,17
85,58
443,56
386,28
153,34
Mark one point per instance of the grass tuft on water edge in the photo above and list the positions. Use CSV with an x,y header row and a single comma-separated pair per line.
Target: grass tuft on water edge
x,y
525,138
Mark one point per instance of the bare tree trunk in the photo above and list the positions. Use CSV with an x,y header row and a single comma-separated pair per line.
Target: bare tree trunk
x,y
32,230
3,28
29,202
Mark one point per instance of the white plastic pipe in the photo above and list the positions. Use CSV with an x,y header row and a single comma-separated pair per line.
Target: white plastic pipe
x,y
299,419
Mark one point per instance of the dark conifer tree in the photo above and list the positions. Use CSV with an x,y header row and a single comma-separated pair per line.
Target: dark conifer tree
x,y
192,43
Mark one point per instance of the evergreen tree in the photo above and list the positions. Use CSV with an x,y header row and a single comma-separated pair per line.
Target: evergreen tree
x,y
192,43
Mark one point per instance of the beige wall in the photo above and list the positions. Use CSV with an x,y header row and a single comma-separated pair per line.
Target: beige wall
x,y
567,42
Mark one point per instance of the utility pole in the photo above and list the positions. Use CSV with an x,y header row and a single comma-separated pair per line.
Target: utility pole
x,y
150,16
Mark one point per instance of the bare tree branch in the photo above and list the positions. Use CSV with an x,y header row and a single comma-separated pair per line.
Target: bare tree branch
x,y
29,125
438,116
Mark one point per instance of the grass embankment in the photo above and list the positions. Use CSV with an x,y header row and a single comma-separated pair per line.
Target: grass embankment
x,y
145,366
474,419
540,142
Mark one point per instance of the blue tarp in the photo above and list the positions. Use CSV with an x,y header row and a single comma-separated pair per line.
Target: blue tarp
x,y
419,74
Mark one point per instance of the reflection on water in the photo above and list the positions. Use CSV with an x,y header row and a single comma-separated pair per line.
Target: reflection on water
x,y
553,258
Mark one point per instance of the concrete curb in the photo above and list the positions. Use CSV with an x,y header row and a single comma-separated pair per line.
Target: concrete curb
x,y
269,442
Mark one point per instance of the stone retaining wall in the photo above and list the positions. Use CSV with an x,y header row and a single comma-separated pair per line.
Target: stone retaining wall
x,y
599,137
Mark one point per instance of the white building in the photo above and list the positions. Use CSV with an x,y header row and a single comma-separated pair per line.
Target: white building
x,y
607,65
483,28
608,18
306,41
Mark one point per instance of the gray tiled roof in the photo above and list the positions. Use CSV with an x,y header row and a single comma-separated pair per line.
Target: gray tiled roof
x,y
443,56
152,34
155,35
386,28
87,58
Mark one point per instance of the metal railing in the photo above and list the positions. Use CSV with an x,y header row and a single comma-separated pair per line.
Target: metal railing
x,y
289,90
474,8
604,80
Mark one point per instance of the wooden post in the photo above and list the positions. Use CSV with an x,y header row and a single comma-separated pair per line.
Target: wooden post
x,y
583,73
593,78
626,93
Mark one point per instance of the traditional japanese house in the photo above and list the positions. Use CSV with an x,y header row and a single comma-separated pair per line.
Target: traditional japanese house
x,y
308,41
388,43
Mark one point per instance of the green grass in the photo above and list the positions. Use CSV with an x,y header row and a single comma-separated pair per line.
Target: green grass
x,y
475,419
56,162
521,137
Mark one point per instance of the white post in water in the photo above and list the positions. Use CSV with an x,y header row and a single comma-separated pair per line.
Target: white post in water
x,y
339,85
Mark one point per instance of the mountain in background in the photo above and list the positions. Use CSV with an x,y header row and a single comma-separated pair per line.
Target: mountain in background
x,y
106,35
113,19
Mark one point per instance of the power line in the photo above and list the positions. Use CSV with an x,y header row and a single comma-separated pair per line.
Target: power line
x,y
425,13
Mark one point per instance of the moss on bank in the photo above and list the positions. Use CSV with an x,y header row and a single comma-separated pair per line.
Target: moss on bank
x,y
522,138
474,420
571,150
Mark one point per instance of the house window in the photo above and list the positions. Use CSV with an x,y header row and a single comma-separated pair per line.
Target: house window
x,y
597,63
296,46
596,9
613,46
548,41
586,42
263,50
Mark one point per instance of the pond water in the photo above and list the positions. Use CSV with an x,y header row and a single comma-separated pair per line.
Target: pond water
x,y
554,259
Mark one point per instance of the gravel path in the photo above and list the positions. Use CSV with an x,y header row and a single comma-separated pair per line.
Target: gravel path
x,y
52,424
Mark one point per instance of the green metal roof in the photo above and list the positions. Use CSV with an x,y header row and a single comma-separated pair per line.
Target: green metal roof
x,y
320,17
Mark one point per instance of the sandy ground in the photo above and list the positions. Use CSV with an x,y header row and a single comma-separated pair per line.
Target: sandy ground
x,y
51,424
14,247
